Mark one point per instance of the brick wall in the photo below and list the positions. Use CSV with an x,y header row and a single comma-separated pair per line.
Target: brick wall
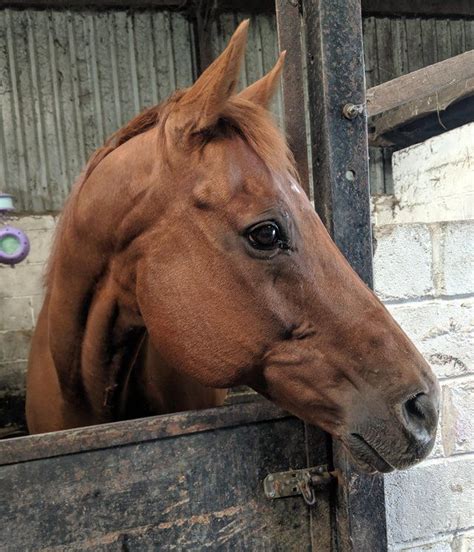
x,y
424,272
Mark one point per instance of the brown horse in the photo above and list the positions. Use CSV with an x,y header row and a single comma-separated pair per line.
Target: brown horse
x,y
188,260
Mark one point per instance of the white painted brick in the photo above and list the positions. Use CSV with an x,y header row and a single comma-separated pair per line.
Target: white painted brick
x,y
41,242
434,497
16,313
463,542
403,262
432,181
14,345
434,546
458,258
443,331
24,280
438,448
455,542
458,417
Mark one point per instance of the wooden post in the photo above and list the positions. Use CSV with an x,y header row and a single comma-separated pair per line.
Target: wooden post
x,y
336,89
289,28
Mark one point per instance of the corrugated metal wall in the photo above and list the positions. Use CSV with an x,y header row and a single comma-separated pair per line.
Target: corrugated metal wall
x,y
69,79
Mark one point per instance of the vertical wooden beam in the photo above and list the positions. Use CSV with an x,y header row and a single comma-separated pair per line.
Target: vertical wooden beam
x,y
333,31
289,28
290,36
339,145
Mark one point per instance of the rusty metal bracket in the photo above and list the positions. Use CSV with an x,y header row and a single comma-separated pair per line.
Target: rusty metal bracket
x,y
297,482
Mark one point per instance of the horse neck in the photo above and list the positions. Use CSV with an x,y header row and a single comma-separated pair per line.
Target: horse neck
x,y
105,362
94,336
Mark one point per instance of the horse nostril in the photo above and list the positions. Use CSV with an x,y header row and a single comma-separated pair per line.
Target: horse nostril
x,y
421,416
414,409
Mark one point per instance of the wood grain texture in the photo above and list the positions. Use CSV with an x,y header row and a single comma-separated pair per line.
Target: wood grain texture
x,y
424,103
194,491
133,431
289,31
454,73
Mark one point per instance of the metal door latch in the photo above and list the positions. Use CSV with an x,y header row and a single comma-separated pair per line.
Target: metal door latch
x,y
297,482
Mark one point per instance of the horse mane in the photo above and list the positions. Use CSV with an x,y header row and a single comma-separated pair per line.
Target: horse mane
x,y
252,123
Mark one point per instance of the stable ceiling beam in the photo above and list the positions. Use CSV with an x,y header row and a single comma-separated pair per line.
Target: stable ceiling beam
x,y
437,8
427,8
421,104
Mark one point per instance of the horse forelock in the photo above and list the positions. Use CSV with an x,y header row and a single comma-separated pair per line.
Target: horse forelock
x,y
257,128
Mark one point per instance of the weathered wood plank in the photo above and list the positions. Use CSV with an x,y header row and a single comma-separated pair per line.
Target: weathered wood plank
x,y
428,42
97,4
456,72
289,39
370,52
198,491
73,441
422,120
413,45
418,7
439,92
443,39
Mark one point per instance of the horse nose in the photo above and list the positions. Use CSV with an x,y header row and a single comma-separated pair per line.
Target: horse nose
x,y
420,416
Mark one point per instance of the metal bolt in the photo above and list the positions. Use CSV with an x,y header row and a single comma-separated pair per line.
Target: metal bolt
x,y
351,111
350,175
271,493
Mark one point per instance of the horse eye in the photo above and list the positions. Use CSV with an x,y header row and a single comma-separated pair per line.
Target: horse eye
x,y
265,235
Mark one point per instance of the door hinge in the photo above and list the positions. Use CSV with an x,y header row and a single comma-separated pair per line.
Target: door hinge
x,y
297,482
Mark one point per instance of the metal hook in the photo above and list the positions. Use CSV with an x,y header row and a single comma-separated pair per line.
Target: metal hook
x,y
307,491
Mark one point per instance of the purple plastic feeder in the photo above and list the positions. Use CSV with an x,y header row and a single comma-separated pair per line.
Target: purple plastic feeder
x,y
14,244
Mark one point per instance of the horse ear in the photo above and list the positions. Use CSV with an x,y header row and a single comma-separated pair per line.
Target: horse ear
x,y
262,91
202,104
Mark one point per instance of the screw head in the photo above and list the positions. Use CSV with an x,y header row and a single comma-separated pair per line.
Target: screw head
x,y
351,111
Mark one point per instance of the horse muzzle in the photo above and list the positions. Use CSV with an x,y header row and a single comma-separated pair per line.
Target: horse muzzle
x,y
384,444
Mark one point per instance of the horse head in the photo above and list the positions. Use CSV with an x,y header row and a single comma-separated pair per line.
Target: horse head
x,y
240,283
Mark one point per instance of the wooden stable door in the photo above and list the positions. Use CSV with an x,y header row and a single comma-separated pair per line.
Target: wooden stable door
x,y
184,482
